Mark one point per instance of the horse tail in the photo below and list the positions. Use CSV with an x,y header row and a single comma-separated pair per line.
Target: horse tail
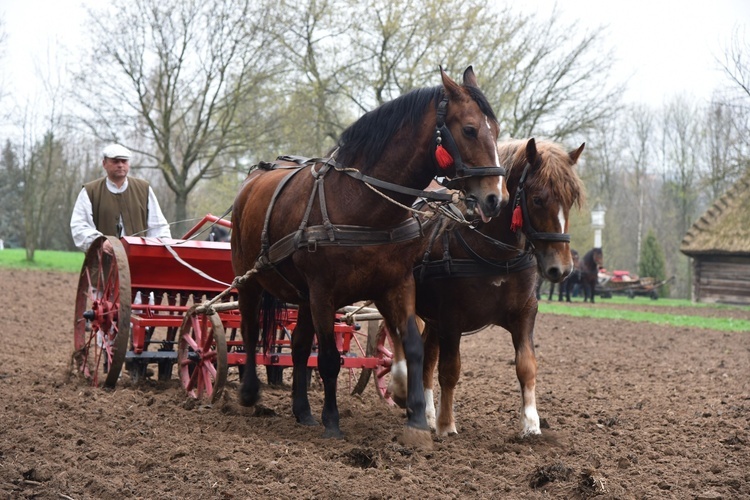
x,y
271,310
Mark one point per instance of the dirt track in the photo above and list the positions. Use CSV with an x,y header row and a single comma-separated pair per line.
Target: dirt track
x,y
633,411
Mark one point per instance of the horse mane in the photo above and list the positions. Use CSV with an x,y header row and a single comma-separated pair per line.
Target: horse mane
x,y
367,137
555,172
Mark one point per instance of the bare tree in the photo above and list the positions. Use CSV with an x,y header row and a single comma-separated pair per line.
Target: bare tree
x,y
3,40
542,77
315,47
184,83
552,79
726,148
640,137
736,62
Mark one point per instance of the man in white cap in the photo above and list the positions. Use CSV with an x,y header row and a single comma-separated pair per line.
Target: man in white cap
x,y
116,205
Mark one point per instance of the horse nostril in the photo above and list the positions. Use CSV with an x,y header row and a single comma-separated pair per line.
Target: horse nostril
x,y
554,273
493,203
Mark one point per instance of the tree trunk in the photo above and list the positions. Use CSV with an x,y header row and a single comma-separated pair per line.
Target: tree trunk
x,y
181,225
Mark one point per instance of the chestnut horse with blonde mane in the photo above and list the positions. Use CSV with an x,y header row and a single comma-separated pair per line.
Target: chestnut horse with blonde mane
x,y
328,232
473,278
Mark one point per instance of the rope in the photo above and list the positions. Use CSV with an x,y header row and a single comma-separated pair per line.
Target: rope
x,y
348,317
207,306
189,266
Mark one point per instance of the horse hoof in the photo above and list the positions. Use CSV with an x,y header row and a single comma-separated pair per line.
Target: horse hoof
x,y
416,438
307,420
398,400
333,434
249,398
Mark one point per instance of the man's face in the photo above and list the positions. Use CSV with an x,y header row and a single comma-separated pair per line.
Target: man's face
x,y
117,169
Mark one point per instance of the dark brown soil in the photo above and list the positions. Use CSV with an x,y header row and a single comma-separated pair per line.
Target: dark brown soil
x,y
631,410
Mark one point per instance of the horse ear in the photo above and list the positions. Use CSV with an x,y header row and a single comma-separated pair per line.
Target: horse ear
x,y
470,79
575,154
451,88
531,152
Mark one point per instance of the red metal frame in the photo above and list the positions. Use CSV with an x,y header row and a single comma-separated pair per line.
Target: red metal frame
x,y
154,268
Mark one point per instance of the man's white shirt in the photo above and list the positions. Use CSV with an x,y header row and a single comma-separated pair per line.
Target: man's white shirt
x,y
82,221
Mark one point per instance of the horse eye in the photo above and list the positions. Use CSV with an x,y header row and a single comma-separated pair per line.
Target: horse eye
x,y
538,201
470,132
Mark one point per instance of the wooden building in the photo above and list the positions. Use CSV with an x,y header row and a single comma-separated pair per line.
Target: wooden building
x,y
719,245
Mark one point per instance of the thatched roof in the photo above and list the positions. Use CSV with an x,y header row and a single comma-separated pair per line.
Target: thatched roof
x,y
725,227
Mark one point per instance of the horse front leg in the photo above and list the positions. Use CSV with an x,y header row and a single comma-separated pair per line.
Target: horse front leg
x,y
523,342
431,352
248,304
398,311
397,384
329,365
449,371
302,340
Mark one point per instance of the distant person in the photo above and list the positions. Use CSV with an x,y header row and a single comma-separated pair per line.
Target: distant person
x,y
218,233
116,205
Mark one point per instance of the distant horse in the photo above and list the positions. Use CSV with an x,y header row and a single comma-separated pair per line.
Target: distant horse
x,y
474,278
592,261
566,286
324,245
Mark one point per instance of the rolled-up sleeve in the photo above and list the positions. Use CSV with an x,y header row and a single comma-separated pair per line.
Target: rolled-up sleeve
x,y
158,227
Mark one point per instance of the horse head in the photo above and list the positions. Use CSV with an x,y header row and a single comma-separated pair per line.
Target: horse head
x,y
598,257
546,188
466,150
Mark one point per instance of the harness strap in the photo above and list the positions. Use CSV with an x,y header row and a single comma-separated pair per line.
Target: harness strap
x,y
469,268
344,236
520,200
476,265
322,198
330,162
264,235
433,237
419,193
532,233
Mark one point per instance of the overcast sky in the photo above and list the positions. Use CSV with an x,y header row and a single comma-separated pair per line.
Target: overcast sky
x,y
664,47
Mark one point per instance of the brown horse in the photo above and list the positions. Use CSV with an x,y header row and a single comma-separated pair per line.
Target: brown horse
x,y
324,245
591,262
475,278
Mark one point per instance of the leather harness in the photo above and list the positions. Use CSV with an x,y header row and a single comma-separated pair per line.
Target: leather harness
x,y
476,265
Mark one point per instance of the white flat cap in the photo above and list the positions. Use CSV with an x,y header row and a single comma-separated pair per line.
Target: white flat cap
x,y
116,151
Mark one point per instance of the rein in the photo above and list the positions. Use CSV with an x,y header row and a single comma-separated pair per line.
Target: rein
x,y
477,265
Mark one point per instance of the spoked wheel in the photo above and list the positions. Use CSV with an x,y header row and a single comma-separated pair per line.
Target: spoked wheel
x,y
102,313
380,346
366,373
202,356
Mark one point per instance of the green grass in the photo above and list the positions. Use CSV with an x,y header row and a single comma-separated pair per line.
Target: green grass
x,y
50,260
601,311
44,260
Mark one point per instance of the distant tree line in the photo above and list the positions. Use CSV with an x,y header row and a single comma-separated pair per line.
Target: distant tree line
x,y
200,91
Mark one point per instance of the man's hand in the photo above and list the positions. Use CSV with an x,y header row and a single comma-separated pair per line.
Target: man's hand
x,y
107,247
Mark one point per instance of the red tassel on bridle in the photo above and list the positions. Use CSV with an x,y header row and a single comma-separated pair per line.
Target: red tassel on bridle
x,y
443,157
517,221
